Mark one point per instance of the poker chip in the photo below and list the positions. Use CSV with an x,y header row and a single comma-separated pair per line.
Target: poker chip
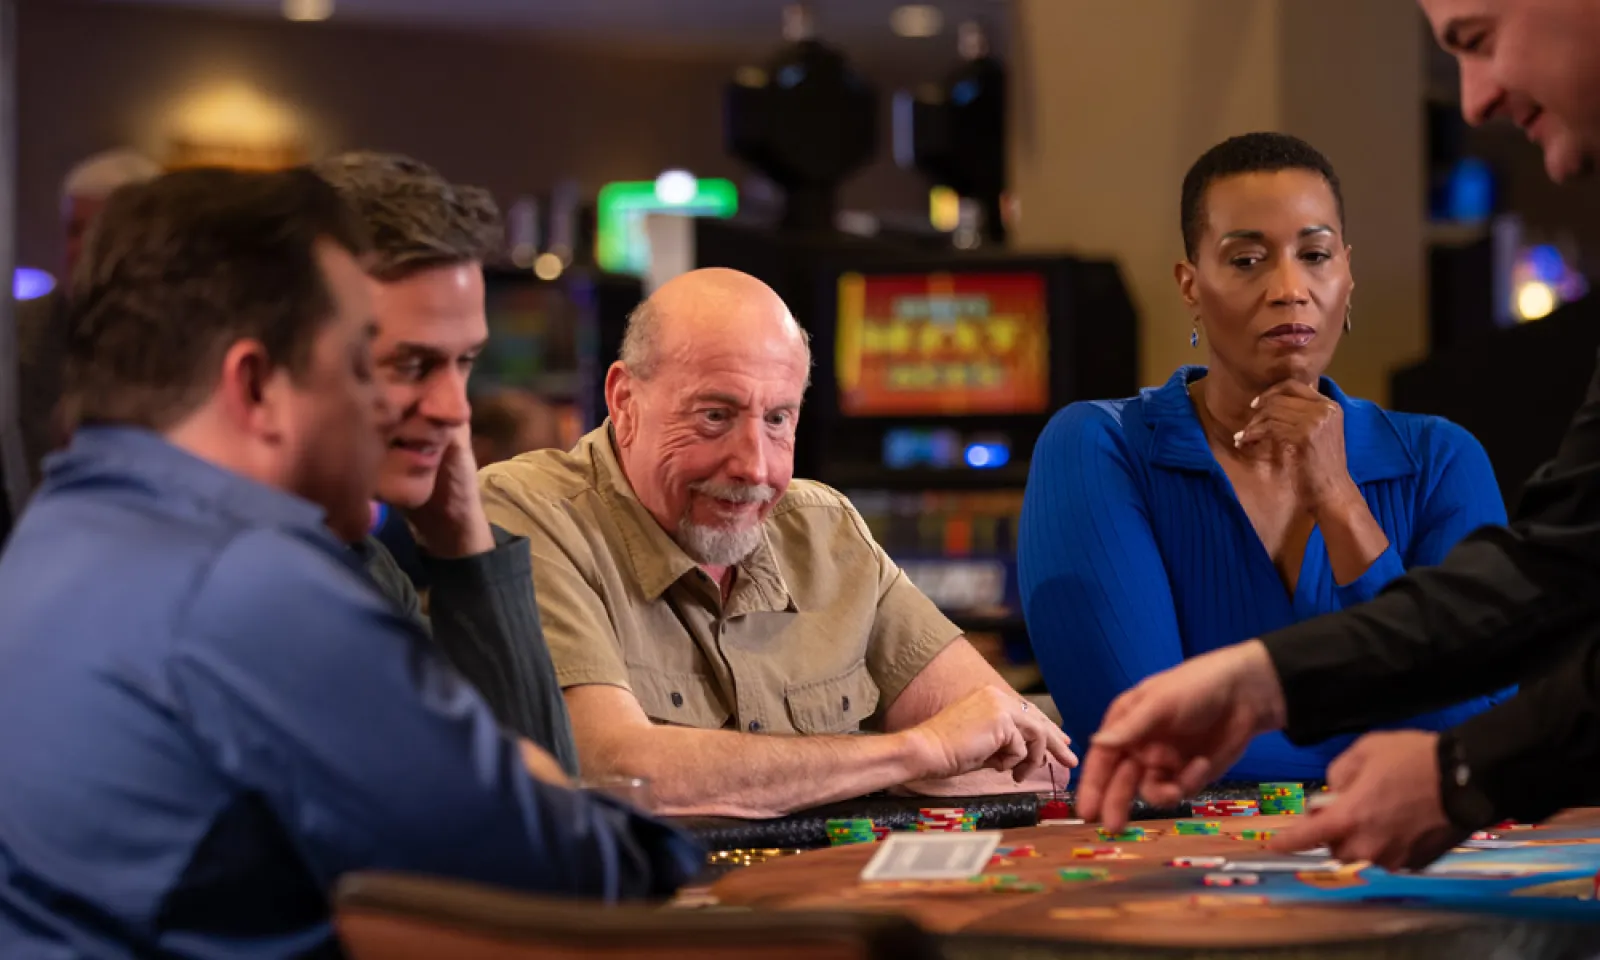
x,y
1283,799
1075,874
1231,879
845,832
1126,835
1090,853
1197,828
1209,863
1256,834
1016,888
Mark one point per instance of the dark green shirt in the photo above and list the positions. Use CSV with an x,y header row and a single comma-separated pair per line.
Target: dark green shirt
x,y
485,620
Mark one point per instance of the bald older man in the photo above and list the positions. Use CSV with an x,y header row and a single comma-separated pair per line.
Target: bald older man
x,y
724,630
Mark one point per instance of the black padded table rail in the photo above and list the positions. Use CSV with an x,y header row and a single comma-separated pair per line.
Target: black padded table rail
x,y
807,829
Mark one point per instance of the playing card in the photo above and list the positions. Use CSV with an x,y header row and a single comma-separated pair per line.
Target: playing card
x,y
932,856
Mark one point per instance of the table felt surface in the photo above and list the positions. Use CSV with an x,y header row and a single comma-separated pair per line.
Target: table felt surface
x,y
1545,873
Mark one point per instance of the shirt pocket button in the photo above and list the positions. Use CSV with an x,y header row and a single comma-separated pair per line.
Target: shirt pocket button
x,y
846,705
677,699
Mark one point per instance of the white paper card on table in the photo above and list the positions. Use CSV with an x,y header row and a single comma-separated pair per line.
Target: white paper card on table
x,y
932,856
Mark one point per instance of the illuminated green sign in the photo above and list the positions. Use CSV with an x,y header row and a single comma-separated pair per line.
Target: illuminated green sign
x,y
621,244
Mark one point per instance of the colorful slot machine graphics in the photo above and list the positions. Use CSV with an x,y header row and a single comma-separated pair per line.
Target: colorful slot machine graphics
x,y
942,344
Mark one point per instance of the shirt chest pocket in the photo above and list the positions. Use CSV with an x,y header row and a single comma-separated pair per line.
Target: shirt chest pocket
x,y
684,699
835,705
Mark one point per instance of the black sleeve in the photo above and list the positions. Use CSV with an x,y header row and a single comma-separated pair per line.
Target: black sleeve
x,y
1532,755
486,622
1501,608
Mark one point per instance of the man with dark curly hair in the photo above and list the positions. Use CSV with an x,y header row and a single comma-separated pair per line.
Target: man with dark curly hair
x,y
430,239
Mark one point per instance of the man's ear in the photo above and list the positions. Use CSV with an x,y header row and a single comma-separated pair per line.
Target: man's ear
x,y
250,391
621,402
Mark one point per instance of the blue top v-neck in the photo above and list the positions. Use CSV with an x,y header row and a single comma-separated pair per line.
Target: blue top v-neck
x,y
1134,553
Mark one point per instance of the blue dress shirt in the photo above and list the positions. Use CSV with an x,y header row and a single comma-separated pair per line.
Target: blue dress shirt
x,y
208,714
1134,553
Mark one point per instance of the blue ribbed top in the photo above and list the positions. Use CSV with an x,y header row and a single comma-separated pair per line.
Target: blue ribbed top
x,y
1135,554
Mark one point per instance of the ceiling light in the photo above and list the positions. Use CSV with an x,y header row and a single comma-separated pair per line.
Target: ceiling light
x,y
548,266
916,20
676,187
307,11
1535,301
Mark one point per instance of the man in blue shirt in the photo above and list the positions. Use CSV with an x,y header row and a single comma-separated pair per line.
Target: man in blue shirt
x,y
207,711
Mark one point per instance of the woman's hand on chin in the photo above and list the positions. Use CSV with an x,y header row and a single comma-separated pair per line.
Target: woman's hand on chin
x,y
1303,430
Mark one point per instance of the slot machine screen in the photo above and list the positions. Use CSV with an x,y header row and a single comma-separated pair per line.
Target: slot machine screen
x,y
534,332
943,344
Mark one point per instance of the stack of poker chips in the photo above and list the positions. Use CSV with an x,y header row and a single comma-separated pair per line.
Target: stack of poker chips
x,y
845,832
1198,828
945,820
1226,808
1283,798
1125,835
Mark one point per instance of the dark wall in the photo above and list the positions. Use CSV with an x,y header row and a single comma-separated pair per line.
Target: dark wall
x,y
512,112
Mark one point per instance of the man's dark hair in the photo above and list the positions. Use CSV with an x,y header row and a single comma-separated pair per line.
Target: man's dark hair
x,y
179,269
417,219
1249,153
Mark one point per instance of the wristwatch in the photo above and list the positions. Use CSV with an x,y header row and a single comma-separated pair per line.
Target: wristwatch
x,y
1460,792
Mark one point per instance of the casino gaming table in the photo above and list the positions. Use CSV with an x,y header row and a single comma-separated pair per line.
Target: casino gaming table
x,y
1523,892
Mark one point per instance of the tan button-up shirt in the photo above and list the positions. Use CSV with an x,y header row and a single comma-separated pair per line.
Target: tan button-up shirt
x,y
820,631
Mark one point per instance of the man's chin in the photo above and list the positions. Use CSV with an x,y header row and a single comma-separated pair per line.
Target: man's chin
x,y
1568,166
405,492
718,546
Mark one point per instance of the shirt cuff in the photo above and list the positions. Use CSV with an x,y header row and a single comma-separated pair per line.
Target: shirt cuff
x,y
1460,791
1378,575
1496,766
511,560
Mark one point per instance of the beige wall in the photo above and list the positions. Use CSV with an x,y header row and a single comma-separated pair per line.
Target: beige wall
x,y
513,113
1118,97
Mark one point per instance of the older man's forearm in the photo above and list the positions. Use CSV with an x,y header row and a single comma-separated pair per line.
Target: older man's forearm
x,y
723,773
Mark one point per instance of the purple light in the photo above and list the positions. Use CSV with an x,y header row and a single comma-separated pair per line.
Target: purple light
x,y
29,283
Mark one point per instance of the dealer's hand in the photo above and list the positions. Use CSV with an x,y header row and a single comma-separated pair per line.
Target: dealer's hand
x,y
1179,730
1385,805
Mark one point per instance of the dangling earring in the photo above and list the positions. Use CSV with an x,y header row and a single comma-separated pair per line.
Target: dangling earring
x,y
1347,316
1194,335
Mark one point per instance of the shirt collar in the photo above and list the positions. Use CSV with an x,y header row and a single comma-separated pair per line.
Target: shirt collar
x,y
145,458
1374,449
657,560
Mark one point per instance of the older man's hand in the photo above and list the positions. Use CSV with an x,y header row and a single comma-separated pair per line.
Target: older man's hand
x,y
1384,805
992,729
